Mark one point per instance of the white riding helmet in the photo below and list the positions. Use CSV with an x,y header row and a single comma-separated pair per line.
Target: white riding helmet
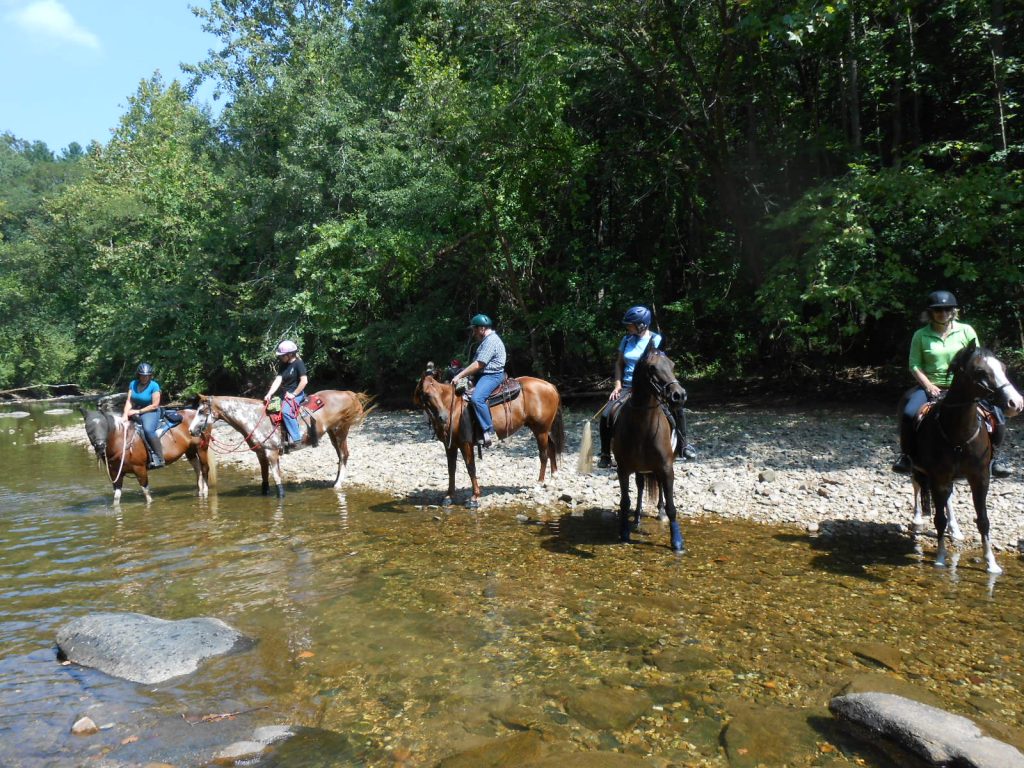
x,y
286,347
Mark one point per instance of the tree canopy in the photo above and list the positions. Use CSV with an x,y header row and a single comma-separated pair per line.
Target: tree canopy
x,y
783,182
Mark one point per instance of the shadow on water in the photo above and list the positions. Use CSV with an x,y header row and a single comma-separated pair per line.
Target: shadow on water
x,y
855,548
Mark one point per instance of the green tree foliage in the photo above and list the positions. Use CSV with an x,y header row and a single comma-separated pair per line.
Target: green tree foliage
x,y
782,182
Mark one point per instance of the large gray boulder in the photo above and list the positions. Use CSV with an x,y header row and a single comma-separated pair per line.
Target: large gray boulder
x,y
145,649
941,738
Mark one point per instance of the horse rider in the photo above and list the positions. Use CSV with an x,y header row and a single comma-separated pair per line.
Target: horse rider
x,y
931,351
291,381
489,369
632,347
143,407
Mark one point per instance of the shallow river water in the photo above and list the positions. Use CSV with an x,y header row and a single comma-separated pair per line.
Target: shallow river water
x,y
404,636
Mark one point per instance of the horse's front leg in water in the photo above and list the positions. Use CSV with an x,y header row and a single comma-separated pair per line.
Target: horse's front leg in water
x,y
667,481
452,454
275,467
979,490
467,456
639,502
261,456
623,506
940,498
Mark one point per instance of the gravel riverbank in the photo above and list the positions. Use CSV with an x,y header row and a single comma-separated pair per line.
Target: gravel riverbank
x,y
822,469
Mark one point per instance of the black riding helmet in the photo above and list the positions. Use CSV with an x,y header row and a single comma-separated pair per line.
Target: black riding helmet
x,y
941,300
144,369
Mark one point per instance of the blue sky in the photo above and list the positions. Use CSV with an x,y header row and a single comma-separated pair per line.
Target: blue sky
x,y
69,66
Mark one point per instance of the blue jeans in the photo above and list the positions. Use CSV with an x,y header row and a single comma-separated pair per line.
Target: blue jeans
x,y
915,403
290,413
486,384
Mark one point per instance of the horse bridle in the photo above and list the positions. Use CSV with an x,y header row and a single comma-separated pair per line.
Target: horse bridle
x,y
660,389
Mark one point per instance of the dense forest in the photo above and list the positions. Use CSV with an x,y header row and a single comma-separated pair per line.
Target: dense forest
x,y
783,182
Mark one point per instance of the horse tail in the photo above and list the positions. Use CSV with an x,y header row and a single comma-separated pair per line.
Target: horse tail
x,y
652,489
556,435
211,468
585,463
366,407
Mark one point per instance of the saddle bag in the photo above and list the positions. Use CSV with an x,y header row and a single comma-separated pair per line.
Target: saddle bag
x,y
173,416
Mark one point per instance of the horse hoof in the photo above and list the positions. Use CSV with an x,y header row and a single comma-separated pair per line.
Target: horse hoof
x,y
447,501
473,504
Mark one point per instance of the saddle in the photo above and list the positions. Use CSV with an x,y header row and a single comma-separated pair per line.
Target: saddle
x,y
506,392
169,419
987,416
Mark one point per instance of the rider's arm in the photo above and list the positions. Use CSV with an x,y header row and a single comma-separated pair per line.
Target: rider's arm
x,y
274,386
128,404
469,370
620,368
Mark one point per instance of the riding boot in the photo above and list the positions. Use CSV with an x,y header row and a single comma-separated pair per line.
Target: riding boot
x,y
156,451
904,465
998,467
683,449
605,431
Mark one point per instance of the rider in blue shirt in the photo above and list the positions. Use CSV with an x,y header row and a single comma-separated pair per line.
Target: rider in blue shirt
x,y
489,368
143,406
632,347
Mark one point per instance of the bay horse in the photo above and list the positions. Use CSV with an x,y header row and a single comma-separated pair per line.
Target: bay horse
x,y
642,439
538,406
118,445
953,442
342,409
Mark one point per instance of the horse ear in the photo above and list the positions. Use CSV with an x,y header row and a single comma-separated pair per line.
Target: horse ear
x,y
972,344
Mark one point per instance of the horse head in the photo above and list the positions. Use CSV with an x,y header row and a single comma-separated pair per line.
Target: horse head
x,y
98,426
205,416
656,370
430,395
984,376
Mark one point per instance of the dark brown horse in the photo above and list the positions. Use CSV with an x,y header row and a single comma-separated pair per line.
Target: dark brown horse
x,y
342,410
952,441
117,444
642,438
538,406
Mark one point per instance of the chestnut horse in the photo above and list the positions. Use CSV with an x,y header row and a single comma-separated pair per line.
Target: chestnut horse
x,y
341,411
952,441
118,444
642,439
538,406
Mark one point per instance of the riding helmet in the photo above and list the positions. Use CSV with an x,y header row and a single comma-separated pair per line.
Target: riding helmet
x,y
144,369
481,321
640,316
941,300
286,347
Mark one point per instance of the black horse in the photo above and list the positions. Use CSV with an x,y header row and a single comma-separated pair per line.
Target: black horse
x,y
953,442
642,437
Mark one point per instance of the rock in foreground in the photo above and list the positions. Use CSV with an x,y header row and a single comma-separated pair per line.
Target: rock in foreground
x,y
941,738
145,649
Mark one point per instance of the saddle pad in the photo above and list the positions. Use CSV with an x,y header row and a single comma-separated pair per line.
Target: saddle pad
x,y
507,391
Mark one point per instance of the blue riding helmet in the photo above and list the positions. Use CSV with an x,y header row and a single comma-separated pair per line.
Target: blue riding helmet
x,y
144,369
640,316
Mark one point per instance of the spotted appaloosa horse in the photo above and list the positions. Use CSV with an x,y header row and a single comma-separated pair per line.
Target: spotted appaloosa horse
x,y
642,438
952,441
342,409
539,407
123,451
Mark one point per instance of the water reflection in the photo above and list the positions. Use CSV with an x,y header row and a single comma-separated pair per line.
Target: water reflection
x,y
414,632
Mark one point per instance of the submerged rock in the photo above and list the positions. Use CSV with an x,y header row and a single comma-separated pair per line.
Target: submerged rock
x,y
933,734
145,649
769,735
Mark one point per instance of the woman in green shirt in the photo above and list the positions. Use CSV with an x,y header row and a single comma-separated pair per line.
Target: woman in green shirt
x,y
931,351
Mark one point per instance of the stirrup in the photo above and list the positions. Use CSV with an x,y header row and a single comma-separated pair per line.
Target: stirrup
x,y
604,462
999,469
903,465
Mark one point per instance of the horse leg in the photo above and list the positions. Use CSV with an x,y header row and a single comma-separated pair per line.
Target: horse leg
x,y
979,490
453,456
661,504
198,469
470,460
340,442
261,456
542,446
940,498
142,475
623,505
918,514
639,502
666,481
954,527
275,468
117,483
